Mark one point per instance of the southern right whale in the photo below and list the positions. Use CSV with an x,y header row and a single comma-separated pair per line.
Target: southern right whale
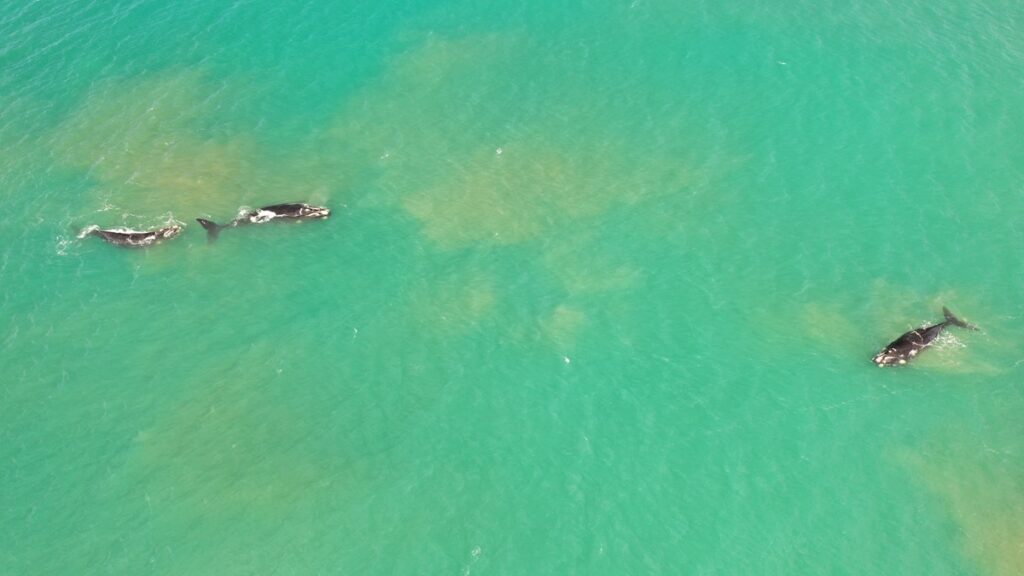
x,y
906,347
291,211
132,238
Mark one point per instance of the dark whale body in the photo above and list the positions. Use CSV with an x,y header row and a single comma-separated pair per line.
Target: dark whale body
x,y
297,211
132,238
908,346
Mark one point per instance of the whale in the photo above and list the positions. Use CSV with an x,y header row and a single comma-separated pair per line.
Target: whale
x,y
132,238
905,348
295,211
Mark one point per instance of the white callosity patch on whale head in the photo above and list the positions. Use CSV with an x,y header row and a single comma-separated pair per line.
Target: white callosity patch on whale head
x,y
316,212
170,231
887,359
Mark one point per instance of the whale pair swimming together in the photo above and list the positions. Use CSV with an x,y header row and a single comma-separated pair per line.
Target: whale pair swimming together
x,y
909,345
296,211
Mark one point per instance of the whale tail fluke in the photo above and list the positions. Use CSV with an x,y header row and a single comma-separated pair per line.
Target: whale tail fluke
x,y
952,319
212,229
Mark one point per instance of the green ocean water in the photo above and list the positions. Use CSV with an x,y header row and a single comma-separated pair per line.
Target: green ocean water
x,y
598,295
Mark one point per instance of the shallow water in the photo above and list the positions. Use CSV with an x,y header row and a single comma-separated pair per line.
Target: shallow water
x,y
598,295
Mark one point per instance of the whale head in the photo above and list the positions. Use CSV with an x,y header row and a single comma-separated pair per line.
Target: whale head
x,y
885,358
308,211
170,231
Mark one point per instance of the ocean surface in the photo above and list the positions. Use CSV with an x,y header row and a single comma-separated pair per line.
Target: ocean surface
x,y
599,293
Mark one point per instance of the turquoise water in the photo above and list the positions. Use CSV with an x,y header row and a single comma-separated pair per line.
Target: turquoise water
x,y
599,293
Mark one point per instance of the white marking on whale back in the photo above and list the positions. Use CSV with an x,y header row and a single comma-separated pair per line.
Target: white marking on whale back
x,y
262,216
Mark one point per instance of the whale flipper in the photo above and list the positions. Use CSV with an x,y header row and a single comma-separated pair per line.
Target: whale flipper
x,y
952,319
212,229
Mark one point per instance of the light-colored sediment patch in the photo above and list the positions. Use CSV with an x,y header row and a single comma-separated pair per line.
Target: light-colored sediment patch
x,y
951,353
563,325
814,328
530,190
443,149
900,306
232,447
421,98
487,141
820,322
140,138
454,304
584,268
154,144
509,199
984,494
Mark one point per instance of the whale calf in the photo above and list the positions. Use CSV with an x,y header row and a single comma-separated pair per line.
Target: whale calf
x,y
132,238
292,211
908,346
